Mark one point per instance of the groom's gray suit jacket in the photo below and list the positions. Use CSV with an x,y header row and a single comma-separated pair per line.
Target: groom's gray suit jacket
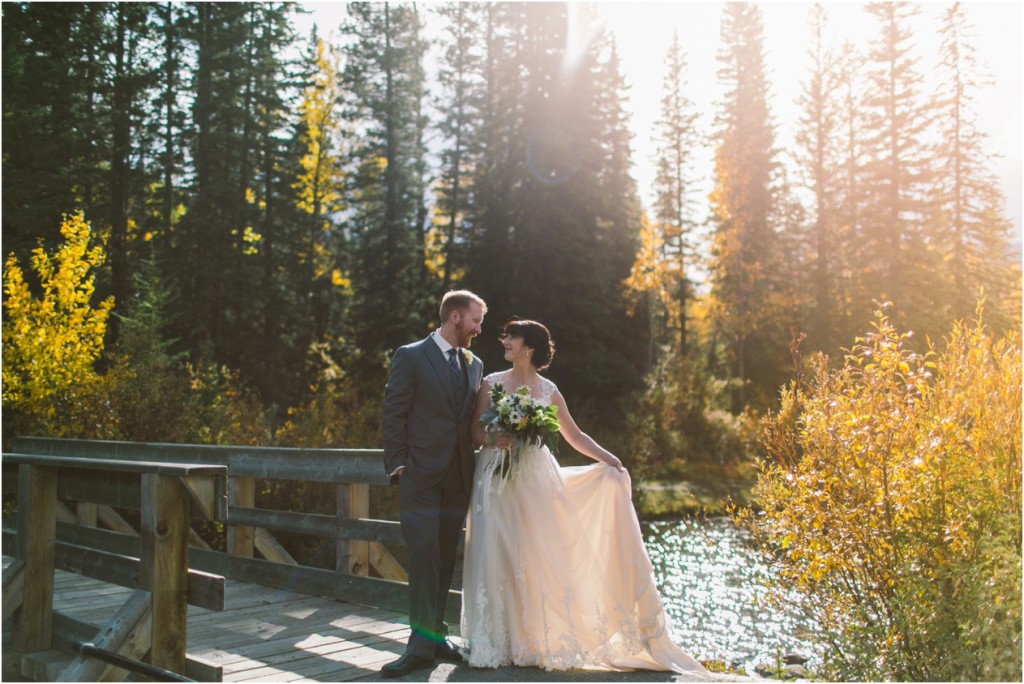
x,y
427,416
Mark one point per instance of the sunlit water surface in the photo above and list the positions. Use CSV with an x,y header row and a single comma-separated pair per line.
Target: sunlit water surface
x,y
711,580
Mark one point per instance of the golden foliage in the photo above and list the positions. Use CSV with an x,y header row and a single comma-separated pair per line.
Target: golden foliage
x,y
51,342
317,185
884,481
436,252
647,273
657,270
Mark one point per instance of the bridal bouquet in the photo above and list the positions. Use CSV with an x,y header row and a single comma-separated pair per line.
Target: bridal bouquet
x,y
526,419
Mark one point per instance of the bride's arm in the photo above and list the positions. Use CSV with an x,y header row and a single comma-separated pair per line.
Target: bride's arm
x,y
579,440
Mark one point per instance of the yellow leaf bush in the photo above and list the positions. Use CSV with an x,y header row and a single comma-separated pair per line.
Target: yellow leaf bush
x,y
890,501
52,341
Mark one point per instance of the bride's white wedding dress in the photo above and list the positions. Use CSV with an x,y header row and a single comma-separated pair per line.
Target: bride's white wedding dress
x,y
556,574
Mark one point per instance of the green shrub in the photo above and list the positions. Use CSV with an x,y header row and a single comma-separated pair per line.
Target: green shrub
x,y
679,418
890,500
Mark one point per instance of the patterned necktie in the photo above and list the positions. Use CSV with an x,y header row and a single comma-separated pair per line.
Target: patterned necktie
x,y
454,362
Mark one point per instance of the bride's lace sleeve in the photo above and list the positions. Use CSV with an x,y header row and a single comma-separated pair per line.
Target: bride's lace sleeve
x,y
492,378
547,390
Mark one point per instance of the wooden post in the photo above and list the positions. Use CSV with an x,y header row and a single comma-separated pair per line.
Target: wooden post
x,y
353,556
241,493
37,533
164,566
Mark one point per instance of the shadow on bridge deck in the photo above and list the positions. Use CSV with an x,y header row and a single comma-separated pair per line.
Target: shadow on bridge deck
x,y
273,635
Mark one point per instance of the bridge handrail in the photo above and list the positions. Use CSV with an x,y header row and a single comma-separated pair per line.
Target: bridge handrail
x,y
167,494
153,467
337,466
361,542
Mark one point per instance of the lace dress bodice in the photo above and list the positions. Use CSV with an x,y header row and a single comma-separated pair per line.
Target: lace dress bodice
x,y
547,388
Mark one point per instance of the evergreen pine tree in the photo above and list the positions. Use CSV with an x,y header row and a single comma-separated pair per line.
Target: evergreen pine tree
x,y
971,227
384,80
319,268
458,104
818,138
674,185
555,210
202,259
496,185
849,206
745,257
273,355
131,78
168,122
897,260
219,257
46,95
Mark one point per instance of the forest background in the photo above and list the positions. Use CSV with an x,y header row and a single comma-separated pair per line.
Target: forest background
x,y
232,225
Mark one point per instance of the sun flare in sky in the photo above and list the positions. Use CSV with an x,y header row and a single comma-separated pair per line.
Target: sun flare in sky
x,y
643,32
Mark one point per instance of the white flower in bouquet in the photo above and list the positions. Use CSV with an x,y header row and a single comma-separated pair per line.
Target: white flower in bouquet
x,y
526,419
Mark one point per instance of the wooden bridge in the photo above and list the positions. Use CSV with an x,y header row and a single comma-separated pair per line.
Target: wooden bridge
x,y
76,571
105,579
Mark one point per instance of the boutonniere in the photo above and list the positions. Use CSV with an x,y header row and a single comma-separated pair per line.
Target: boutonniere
x,y
468,356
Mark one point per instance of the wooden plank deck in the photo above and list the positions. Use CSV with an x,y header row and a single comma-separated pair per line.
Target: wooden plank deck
x,y
265,634
272,635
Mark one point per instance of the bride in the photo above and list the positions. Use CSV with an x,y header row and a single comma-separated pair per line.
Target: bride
x,y
555,573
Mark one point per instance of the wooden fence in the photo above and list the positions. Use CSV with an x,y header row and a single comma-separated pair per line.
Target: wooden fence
x,y
87,515
152,623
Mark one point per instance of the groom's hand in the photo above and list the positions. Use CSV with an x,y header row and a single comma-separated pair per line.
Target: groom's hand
x,y
396,473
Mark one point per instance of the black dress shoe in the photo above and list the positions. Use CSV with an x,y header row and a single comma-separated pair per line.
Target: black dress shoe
x,y
446,650
406,664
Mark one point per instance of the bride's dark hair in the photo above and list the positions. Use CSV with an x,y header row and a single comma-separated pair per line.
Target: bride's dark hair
x,y
535,336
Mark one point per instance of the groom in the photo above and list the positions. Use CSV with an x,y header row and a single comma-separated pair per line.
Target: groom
x,y
428,452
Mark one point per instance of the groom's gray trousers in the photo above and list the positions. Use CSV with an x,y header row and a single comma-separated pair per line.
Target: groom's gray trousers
x,y
432,521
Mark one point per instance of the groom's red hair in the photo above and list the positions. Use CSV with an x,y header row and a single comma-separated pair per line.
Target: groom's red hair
x,y
459,300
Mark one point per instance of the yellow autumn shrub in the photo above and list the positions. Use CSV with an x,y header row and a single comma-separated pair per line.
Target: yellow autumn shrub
x,y
890,502
52,340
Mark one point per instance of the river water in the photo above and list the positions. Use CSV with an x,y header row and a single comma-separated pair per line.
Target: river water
x,y
711,580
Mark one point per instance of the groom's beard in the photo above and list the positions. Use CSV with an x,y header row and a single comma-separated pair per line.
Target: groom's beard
x,y
463,336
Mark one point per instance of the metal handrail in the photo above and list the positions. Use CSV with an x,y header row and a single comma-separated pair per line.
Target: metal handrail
x,y
157,674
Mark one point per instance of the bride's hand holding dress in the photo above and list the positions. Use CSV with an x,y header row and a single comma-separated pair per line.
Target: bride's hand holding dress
x,y
579,440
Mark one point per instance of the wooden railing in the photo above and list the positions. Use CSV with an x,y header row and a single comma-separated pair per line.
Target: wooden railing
x,y
152,623
361,541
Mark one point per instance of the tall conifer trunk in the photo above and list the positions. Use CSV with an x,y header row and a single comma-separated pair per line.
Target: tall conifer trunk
x,y
120,149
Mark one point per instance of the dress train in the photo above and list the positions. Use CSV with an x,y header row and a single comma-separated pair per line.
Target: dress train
x,y
556,574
